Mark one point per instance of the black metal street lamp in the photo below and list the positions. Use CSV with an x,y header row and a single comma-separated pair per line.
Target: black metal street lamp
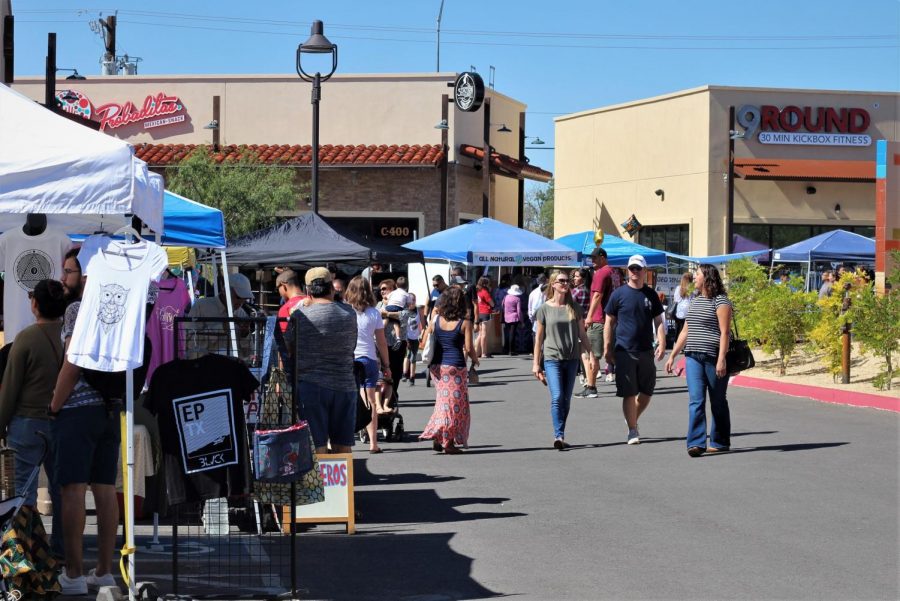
x,y
316,44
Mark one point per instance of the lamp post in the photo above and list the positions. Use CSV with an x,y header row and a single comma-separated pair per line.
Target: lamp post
x,y
316,44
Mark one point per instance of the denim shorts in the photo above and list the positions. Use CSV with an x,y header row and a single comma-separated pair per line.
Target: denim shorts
x,y
331,413
370,372
86,445
22,436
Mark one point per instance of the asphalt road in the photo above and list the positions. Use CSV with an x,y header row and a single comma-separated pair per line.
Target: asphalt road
x,y
804,507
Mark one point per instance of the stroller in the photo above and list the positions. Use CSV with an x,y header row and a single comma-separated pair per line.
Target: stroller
x,y
390,425
14,561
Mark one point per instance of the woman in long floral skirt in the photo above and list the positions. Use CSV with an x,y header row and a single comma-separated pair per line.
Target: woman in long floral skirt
x,y
448,428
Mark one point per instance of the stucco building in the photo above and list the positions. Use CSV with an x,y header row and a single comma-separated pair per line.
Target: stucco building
x,y
804,163
383,163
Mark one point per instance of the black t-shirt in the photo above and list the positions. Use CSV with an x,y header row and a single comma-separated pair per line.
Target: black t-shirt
x,y
634,310
199,405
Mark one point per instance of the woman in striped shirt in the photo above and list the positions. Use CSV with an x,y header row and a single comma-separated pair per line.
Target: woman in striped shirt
x,y
705,338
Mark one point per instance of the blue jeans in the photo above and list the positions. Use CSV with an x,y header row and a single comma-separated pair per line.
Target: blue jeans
x,y
561,381
29,447
701,378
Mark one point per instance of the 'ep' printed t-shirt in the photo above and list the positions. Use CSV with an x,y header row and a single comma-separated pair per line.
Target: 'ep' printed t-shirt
x,y
109,331
199,405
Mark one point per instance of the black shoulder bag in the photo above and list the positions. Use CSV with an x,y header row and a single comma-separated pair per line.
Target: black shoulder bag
x,y
738,358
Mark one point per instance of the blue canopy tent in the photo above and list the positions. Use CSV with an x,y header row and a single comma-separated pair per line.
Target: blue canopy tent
x,y
617,250
836,245
487,241
189,223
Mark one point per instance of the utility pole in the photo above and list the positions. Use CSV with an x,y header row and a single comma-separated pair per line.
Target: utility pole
x,y
440,14
109,40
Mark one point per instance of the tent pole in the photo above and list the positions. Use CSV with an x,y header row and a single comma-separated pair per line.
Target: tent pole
x,y
232,334
128,500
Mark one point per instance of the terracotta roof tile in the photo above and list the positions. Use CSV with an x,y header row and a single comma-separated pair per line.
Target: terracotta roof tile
x,y
425,155
504,164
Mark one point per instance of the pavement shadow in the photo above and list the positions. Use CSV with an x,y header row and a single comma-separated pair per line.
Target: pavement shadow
x,y
422,506
809,446
362,476
386,566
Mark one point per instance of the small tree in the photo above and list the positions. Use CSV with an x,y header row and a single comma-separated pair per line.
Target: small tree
x,y
539,210
745,279
249,193
876,325
825,335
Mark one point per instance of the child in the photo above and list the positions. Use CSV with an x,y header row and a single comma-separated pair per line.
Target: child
x,y
397,300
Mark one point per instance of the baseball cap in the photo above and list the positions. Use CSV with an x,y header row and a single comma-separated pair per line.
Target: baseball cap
x,y
458,280
598,252
240,285
637,260
318,273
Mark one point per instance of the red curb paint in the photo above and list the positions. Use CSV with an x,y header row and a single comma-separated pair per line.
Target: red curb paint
x,y
817,393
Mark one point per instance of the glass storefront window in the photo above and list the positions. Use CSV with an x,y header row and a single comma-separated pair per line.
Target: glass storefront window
x,y
670,238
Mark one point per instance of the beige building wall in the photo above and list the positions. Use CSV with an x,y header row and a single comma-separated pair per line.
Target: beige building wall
x,y
275,109
610,160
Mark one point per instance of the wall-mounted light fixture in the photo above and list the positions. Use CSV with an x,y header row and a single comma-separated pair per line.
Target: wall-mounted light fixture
x,y
661,193
502,129
810,189
442,124
214,124
837,209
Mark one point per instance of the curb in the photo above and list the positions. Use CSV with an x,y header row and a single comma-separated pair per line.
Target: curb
x,y
817,393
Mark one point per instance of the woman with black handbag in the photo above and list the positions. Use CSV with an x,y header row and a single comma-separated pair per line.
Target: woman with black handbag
x,y
705,338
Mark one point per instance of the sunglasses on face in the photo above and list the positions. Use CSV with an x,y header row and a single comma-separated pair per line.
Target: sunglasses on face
x,y
635,268
384,289
563,281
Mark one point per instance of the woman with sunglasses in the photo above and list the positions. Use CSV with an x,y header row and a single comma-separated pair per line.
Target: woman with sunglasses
x,y
559,341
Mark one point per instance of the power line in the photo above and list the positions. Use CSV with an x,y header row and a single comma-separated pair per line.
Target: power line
x,y
465,32
517,45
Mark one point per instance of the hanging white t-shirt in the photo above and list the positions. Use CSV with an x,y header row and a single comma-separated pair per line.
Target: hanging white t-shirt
x,y
27,260
109,331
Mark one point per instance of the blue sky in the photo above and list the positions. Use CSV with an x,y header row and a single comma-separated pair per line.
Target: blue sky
x,y
557,57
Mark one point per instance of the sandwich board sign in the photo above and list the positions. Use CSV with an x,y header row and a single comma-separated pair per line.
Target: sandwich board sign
x,y
337,508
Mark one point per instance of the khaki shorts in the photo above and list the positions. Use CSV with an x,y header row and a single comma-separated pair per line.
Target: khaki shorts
x,y
595,335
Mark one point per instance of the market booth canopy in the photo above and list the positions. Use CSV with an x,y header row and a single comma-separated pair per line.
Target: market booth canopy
x,y
189,223
836,245
310,239
487,241
51,165
617,249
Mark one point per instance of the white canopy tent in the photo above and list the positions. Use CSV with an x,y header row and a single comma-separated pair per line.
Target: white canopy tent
x,y
83,181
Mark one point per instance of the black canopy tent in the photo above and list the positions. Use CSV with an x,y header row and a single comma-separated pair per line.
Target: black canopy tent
x,y
309,239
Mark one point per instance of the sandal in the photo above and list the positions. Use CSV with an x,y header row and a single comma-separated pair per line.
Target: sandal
x,y
437,446
375,451
453,450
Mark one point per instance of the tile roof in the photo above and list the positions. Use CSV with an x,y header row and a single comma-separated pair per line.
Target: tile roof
x,y
504,164
805,170
420,155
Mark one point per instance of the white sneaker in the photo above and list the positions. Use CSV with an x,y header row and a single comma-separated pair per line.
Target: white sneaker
x,y
633,436
610,377
94,581
72,586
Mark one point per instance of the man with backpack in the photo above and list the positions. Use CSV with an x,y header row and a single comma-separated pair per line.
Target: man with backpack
x,y
85,449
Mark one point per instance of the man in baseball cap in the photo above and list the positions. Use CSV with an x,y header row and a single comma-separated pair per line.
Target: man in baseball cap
x,y
634,312
601,289
322,337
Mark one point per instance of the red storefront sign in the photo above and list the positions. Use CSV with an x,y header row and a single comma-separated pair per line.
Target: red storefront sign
x,y
153,112
819,119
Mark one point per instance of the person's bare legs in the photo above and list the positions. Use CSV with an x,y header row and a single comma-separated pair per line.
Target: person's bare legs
x,y
107,525
633,407
338,448
629,409
73,518
372,428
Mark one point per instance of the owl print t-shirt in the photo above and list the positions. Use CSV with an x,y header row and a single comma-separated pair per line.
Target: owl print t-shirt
x,y
109,331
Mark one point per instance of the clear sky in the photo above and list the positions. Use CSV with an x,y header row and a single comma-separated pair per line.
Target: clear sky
x,y
556,56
